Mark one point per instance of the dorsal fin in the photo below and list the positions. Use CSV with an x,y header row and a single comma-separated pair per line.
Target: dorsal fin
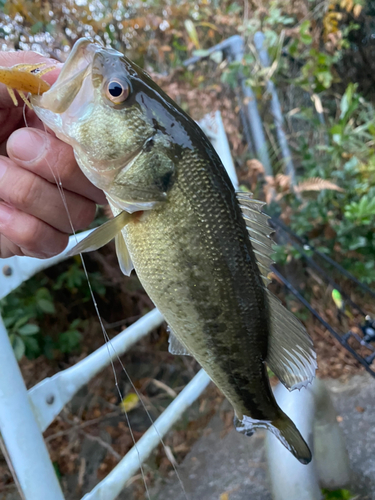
x,y
291,354
259,232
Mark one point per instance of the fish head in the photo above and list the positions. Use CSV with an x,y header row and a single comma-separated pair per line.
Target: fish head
x,y
94,106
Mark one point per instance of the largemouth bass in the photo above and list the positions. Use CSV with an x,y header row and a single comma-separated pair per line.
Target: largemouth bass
x,y
201,251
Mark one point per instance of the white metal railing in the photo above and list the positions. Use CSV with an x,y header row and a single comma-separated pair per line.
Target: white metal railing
x,y
24,415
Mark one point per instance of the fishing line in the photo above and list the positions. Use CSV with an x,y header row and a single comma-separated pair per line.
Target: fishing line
x,y
57,179
107,340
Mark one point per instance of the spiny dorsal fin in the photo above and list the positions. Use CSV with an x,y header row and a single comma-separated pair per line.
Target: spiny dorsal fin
x,y
259,232
291,354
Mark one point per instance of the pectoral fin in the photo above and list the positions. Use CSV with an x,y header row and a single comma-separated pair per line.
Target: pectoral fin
x,y
102,235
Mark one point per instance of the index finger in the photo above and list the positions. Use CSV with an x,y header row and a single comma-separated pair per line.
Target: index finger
x,y
52,159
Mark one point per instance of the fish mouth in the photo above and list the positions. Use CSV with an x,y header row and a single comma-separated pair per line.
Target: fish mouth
x,y
70,80
61,104
72,77
72,95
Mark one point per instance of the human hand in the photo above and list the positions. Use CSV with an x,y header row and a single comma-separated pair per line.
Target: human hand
x,y
33,218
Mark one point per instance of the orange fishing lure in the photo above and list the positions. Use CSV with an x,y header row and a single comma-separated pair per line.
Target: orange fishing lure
x,y
25,78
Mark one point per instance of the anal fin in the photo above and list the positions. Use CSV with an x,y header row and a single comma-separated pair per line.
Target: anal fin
x,y
176,346
291,354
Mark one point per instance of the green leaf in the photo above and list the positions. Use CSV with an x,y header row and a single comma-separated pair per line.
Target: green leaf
x,y
28,329
359,242
347,106
337,133
8,322
21,322
306,39
46,306
200,53
36,28
109,33
192,33
18,346
337,494
304,31
325,77
69,340
32,347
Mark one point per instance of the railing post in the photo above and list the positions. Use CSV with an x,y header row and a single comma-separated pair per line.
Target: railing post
x,y
26,450
314,415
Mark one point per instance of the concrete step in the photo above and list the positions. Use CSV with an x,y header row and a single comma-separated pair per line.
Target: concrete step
x,y
233,467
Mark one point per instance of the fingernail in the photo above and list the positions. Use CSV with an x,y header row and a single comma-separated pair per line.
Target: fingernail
x,y
6,213
27,145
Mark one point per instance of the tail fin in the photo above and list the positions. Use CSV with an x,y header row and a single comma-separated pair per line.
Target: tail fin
x,y
284,429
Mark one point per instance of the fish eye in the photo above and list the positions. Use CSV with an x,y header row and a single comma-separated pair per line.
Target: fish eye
x,y
117,91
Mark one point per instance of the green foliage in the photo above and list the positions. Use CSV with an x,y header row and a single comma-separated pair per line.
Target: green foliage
x,y
317,72
30,311
21,311
339,147
348,157
75,281
337,495
71,339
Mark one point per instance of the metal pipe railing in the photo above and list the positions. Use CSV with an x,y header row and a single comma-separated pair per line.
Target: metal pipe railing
x,y
233,47
50,396
275,109
312,411
15,270
26,450
115,481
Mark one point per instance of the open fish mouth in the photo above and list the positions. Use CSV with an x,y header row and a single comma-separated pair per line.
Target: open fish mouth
x,y
68,84
72,95
64,101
